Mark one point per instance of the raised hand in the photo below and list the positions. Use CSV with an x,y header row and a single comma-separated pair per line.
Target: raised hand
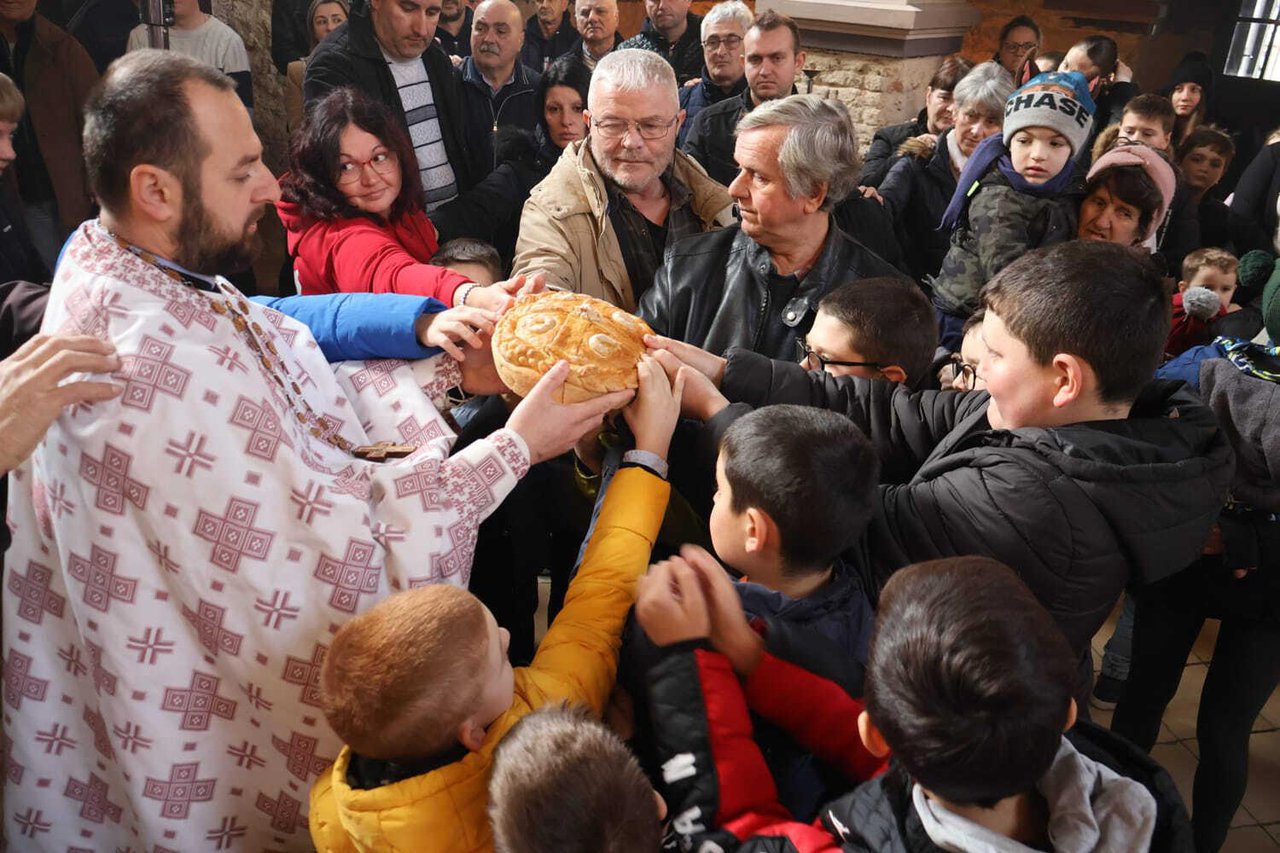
x,y
670,605
449,329
32,394
550,428
708,364
730,634
652,415
699,397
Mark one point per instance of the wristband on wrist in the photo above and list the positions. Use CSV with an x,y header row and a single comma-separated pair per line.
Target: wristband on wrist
x,y
465,292
645,459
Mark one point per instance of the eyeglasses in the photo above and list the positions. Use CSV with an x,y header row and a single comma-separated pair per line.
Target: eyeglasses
x,y
616,128
384,163
714,43
814,360
967,373
1019,46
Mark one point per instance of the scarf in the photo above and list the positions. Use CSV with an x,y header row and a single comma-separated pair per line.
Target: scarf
x,y
993,150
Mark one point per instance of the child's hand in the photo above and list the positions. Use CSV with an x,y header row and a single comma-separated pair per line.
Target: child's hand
x,y
652,415
449,329
670,605
708,364
730,633
700,398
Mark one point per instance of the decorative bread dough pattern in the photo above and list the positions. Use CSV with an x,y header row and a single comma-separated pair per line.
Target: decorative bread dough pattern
x,y
601,343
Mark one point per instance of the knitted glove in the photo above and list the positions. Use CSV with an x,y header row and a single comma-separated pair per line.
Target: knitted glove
x,y
1201,303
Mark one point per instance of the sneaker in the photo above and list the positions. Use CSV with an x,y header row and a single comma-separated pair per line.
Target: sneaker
x,y
1106,692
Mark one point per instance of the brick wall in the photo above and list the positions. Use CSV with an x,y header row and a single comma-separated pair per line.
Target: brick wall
x,y
1059,29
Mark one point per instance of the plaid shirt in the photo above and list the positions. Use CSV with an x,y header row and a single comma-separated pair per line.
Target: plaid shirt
x,y
640,253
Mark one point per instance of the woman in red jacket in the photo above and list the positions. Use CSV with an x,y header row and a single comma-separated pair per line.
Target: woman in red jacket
x,y
352,204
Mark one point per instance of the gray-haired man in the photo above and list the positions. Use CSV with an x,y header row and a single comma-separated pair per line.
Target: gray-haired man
x,y
613,203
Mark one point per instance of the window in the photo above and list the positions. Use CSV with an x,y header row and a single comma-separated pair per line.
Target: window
x,y
1255,44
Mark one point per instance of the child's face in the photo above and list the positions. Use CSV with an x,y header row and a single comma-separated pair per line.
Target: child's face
x,y
1186,97
1203,167
499,679
726,525
1022,390
1039,153
971,349
1210,278
1077,59
478,273
1144,129
830,342
1103,216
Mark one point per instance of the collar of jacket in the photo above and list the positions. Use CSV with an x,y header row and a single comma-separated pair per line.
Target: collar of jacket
x,y
829,259
715,93
593,198
749,105
362,41
532,30
692,25
519,78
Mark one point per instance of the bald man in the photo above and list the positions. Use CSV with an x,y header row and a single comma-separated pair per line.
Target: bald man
x,y
497,91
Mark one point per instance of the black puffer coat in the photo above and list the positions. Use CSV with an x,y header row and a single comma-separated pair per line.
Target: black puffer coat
x,y
1079,511
916,193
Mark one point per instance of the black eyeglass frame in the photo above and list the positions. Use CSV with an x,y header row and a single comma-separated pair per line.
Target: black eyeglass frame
x,y
808,354
966,369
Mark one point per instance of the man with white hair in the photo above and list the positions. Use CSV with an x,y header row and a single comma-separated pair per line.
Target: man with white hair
x,y
757,285
597,24
615,202
724,65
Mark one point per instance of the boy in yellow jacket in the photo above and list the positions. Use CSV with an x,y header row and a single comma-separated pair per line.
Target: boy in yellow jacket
x,y
420,689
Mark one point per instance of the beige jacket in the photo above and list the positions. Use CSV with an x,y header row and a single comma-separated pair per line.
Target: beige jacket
x,y
565,231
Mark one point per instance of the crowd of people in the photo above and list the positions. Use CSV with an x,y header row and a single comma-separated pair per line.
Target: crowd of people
x,y
913,420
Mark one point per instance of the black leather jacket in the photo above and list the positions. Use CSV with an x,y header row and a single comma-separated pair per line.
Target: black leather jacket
x,y
721,289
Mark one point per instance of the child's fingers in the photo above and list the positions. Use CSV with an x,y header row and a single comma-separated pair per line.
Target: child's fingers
x,y
687,586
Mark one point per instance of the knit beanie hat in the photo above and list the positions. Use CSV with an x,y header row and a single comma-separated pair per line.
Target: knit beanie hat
x,y
1193,68
1150,161
1059,100
1254,270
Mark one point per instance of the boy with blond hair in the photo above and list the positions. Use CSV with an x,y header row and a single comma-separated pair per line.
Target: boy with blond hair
x,y
1204,294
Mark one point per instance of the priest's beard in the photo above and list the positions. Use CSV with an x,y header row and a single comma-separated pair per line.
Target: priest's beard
x,y
205,246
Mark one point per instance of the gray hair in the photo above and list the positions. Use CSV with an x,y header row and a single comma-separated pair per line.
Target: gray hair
x,y
821,145
985,88
729,10
634,70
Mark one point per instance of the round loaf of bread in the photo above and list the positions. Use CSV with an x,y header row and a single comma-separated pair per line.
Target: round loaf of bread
x,y
601,342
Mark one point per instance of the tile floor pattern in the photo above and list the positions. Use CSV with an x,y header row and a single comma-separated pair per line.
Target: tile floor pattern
x,y
1256,828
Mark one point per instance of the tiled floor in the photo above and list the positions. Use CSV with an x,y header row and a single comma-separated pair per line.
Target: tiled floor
x,y
1257,824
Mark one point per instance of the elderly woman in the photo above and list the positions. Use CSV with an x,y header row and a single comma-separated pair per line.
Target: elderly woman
x,y
352,205
1127,194
323,17
920,184
937,116
757,284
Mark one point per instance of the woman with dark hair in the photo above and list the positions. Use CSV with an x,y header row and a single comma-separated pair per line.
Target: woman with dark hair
x,y
559,103
323,17
352,204
1191,91
1128,192
1018,37
1110,83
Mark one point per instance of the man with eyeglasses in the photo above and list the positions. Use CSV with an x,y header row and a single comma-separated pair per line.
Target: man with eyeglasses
x,y
724,67
773,59
615,202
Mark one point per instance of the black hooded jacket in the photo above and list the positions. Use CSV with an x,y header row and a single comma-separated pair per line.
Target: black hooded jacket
x,y
1080,511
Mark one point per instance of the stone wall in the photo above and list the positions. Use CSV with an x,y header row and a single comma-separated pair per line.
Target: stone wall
x,y
878,90
252,20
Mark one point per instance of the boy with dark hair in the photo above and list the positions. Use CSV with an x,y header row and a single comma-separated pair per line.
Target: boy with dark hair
x,y
1072,466
1203,157
474,258
1148,119
421,690
564,782
795,488
969,688
876,328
